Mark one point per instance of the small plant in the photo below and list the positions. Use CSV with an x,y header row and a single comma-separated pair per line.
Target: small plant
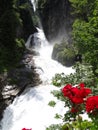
x,y
52,103
58,116
54,127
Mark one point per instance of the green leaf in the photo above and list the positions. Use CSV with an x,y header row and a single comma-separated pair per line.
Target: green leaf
x,y
52,103
58,116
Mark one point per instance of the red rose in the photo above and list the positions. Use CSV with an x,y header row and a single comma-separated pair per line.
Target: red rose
x,y
77,100
76,94
67,90
75,91
84,92
26,129
82,85
92,104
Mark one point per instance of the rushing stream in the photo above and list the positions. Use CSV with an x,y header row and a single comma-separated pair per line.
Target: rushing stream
x,y
31,109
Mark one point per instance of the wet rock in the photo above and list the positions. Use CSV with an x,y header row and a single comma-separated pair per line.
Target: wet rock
x,y
14,82
9,91
64,54
56,18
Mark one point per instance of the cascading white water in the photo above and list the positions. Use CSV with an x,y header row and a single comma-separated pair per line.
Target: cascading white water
x,y
44,61
31,109
34,3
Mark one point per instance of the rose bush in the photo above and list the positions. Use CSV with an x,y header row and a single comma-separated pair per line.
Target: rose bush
x,y
92,104
80,100
81,95
76,94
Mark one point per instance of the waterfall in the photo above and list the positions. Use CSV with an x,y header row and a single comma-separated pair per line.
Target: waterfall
x,y
31,109
34,3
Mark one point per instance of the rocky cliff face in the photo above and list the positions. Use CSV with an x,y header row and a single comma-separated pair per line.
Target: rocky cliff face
x,y
14,82
26,13
56,18
15,23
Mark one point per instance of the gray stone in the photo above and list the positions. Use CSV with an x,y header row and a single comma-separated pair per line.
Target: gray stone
x,y
14,82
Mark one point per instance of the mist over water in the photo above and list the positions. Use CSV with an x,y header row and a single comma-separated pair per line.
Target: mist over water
x,y
31,109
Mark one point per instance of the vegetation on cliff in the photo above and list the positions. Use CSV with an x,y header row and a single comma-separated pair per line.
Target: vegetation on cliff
x,y
64,53
85,31
16,24
84,34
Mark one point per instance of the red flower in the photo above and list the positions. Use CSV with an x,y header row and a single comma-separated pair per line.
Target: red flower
x,y
77,100
76,94
92,104
67,90
26,129
82,85
84,92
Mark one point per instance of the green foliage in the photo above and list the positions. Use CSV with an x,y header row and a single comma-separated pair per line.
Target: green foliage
x,y
27,7
54,127
52,103
76,125
12,23
85,30
41,3
84,35
10,48
83,73
24,6
58,94
20,42
58,116
29,18
83,9
7,36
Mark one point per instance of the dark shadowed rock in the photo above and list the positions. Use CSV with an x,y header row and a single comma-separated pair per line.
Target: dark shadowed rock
x,y
14,82
56,18
64,54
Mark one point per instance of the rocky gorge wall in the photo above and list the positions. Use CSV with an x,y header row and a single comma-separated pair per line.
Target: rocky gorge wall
x,y
18,79
56,18
21,75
